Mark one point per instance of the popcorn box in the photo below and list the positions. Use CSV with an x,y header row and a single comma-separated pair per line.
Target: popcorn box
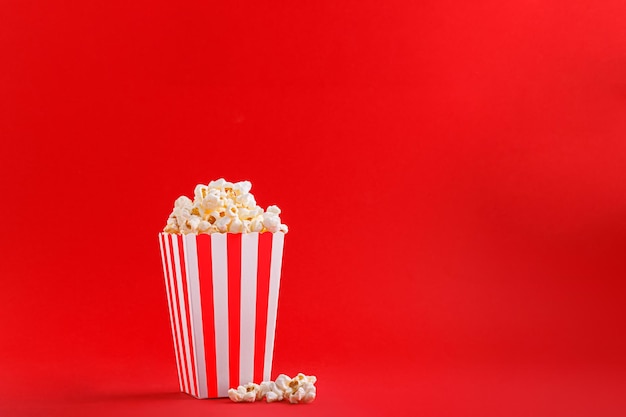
x,y
222,292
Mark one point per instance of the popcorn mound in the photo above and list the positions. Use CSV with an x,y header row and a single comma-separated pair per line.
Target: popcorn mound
x,y
300,389
223,207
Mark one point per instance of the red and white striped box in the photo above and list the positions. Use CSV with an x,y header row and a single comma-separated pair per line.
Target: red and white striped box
x,y
222,291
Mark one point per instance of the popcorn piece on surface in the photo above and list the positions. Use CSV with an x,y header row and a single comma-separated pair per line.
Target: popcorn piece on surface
x,y
282,382
270,391
244,393
271,396
300,389
223,207
236,395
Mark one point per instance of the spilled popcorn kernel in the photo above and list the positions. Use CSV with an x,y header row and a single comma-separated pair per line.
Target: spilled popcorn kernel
x,y
244,393
300,389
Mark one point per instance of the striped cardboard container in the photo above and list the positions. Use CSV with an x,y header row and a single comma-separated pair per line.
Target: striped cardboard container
x,y
222,291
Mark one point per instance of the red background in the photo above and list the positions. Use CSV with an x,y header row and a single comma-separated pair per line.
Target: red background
x,y
453,175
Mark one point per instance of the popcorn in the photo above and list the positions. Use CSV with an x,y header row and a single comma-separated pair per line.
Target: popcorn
x,y
194,222
271,222
232,210
244,393
222,224
245,214
200,192
212,216
270,391
273,209
256,225
242,187
246,200
271,396
236,226
211,201
282,382
171,226
223,207
218,184
182,202
204,226
300,389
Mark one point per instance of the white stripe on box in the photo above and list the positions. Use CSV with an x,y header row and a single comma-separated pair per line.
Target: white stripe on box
x,y
272,305
220,303
164,255
183,312
197,333
179,355
249,255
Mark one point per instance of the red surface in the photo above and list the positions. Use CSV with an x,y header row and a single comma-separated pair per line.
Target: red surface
x,y
452,174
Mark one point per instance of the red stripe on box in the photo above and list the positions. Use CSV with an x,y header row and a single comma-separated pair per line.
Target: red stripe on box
x,y
205,273
165,255
262,296
193,386
233,248
181,350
